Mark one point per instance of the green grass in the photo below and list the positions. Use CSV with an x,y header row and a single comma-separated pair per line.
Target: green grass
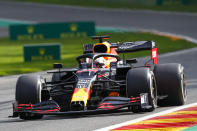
x,y
12,61
168,5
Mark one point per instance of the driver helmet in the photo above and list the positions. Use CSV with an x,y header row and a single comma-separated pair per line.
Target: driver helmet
x,y
100,62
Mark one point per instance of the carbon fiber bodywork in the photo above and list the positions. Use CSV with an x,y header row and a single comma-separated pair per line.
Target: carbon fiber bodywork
x,y
108,104
92,87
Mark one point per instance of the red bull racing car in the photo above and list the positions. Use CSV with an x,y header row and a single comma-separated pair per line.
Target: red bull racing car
x,y
102,82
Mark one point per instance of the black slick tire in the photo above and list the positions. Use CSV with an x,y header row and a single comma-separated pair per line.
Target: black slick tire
x,y
141,80
28,91
170,81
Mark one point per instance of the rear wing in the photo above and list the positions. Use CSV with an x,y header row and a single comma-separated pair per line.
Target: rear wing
x,y
129,47
138,46
135,46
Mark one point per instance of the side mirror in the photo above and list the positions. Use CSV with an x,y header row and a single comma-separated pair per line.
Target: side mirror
x,y
57,65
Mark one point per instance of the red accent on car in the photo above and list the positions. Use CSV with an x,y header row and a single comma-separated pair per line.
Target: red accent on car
x,y
99,76
108,107
25,105
135,99
91,70
29,108
104,104
154,55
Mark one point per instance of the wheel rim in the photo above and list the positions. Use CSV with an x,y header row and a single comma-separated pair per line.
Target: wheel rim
x,y
183,87
40,84
153,92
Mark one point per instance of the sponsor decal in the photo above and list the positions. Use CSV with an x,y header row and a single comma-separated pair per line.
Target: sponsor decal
x,y
154,55
81,94
30,29
73,27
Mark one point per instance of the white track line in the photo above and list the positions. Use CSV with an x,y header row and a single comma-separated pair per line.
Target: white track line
x,y
146,117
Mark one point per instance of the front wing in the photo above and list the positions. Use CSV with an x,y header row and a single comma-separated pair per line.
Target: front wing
x,y
108,104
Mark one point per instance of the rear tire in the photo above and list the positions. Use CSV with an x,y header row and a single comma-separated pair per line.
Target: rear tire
x,y
170,81
28,91
141,80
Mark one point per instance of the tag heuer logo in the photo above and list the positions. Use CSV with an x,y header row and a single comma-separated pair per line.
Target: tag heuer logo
x,y
73,27
30,29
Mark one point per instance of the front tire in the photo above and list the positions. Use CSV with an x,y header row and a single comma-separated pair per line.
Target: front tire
x,y
28,91
141,80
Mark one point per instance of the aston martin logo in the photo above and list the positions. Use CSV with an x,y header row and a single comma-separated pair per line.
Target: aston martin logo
x,y
73,27
30,29
42,51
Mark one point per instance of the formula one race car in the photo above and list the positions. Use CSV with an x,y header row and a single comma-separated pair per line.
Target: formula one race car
x,y
102,82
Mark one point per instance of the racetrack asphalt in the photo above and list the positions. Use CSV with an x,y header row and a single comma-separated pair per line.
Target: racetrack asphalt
x,y
178,23
184,24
